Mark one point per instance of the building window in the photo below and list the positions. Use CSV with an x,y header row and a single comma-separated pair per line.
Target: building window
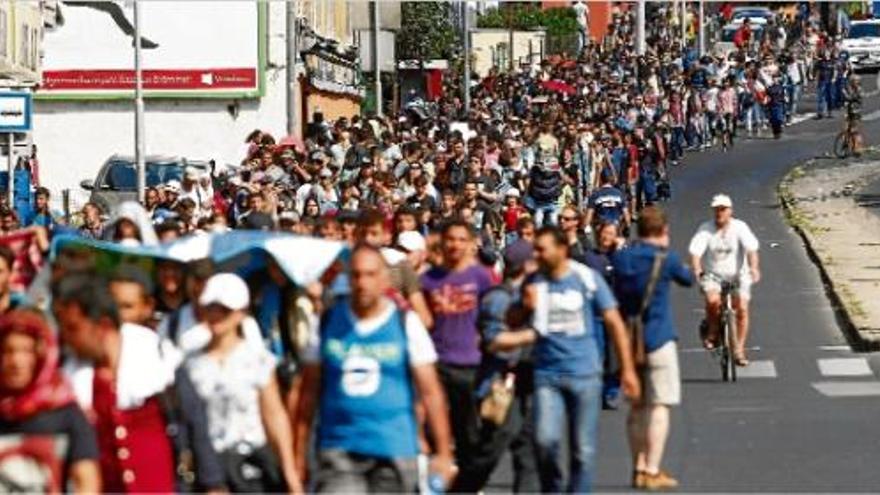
x,y
4,33
35,48
24,50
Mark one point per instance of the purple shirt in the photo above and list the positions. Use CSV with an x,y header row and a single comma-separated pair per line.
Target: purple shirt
x,y
454,299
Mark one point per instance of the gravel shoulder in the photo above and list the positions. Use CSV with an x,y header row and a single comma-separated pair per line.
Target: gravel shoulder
x,y
832,205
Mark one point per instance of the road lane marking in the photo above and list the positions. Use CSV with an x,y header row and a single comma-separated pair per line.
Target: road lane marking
x,y
835,348
758,369
797,119
848,389
844,367
746,409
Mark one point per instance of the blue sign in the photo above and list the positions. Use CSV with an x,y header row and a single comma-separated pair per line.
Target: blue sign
x,y
16,111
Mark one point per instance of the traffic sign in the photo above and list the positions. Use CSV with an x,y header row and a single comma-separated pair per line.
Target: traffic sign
x,y
16,111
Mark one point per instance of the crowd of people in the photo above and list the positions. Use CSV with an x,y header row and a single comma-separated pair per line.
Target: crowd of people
x,y
508,274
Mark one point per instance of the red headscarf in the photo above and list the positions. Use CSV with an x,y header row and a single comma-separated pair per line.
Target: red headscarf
x,y
50,389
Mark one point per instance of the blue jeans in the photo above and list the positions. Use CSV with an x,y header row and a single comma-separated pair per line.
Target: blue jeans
x,y
677,143
824,101
544,213
575,401
793,92
510,238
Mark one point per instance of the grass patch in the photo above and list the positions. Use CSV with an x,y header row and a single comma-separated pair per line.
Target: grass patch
x,y
852,304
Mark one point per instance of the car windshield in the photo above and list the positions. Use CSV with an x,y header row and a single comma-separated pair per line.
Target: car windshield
x,y
122,175
864,31
750,13
728,33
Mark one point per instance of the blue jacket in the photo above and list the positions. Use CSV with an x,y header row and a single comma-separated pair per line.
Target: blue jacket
x,y
632,270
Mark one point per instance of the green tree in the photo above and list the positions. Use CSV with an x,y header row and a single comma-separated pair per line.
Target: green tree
x,y
426,32
559,21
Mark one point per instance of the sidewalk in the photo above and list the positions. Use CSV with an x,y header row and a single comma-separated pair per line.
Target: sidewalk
x,y
828,202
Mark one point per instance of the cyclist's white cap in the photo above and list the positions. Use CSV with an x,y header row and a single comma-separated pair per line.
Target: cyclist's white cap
x,y
722,201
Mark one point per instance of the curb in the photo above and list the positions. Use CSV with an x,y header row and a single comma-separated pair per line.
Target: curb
x,y
854,337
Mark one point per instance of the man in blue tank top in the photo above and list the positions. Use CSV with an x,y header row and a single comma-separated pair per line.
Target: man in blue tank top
x,y
364,368
563,298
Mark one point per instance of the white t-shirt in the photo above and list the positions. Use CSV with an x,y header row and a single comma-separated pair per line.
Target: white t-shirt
x,y
582,14
724,251
420,347
231,391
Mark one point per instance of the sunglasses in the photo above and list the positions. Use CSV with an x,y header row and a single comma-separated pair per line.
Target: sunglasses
x,y
568,218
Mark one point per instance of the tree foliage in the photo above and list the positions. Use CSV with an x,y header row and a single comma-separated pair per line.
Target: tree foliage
x,y
426,31
557,21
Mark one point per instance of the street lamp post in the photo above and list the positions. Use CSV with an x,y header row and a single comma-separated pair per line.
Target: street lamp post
x,y
466,44
139,158
640,28
377,71
292,56
702,24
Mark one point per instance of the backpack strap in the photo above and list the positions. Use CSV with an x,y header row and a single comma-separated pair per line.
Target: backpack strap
x,y
657,266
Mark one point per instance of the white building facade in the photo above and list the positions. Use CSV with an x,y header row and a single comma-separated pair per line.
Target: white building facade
x,y
76,132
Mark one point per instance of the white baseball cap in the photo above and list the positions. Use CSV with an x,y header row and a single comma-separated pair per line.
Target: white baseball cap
x,y
513,193
191,173
227,290
411,241
173,185
722,201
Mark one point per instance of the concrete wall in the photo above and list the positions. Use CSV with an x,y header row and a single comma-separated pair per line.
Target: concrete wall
x,y
483,41
74,138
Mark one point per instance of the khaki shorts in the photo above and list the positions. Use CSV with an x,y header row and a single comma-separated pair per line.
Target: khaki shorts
x,y
662,378
710,285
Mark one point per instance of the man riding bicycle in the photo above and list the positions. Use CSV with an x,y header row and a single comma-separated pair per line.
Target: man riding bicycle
x,y
725,250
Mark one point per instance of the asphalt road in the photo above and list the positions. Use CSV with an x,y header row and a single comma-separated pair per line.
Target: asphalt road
x,y
806,417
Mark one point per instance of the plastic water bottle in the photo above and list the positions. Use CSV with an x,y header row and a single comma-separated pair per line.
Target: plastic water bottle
x,y
436,484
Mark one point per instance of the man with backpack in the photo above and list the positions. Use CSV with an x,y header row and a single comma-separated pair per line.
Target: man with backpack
x,y
643,273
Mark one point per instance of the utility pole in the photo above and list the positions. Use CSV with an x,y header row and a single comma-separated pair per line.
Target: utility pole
x,y
640,28
377,71
510,38
466,43
292,58
683,26
139,158
702,36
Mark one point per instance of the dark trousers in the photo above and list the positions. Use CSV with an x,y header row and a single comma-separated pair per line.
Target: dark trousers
x,y
516,434
459,383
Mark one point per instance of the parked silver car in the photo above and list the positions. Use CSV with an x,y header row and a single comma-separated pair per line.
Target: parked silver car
x,y
116,181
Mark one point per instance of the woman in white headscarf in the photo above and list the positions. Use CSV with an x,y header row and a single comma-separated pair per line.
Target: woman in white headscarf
x,y
131,226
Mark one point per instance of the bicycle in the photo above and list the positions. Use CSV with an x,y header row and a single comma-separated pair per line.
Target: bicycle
x,y
726,349
848,141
